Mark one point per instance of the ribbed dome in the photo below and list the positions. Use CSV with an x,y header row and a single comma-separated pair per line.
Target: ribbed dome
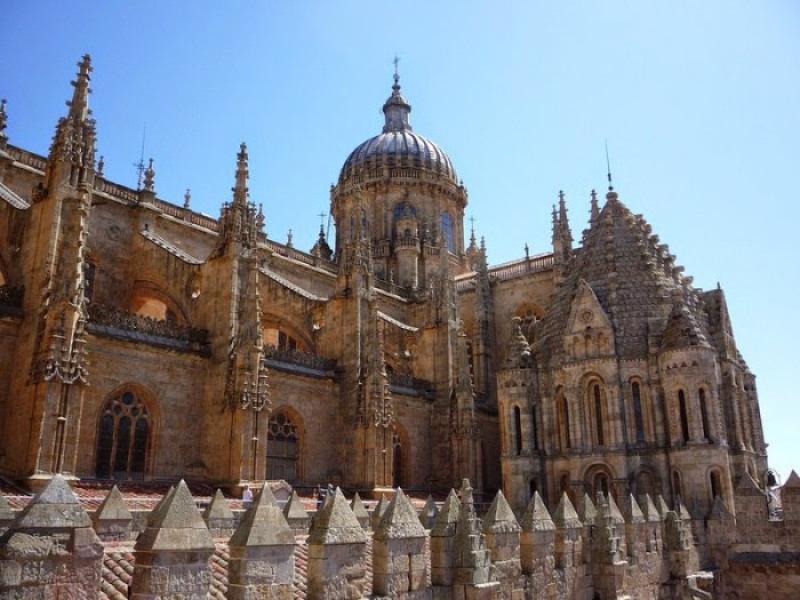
x,y
398,145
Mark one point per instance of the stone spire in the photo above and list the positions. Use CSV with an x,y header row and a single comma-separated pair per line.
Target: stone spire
x,y
594,212
239,221
396,109
263,524
3,125
240,190
71,157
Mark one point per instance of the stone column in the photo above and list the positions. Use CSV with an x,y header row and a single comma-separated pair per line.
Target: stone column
x,y
442,540
502,533
112,520
399,565
219,516
336,553
172,554
296,514
261,565
51,550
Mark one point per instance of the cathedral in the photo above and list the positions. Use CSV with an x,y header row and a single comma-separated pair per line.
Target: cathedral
x,y
143,340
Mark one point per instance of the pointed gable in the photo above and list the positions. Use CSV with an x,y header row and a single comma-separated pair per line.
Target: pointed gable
x,y
113,508
589,331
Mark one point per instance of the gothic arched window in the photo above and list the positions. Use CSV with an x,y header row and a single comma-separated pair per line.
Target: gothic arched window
x,y
684,417
123,437
447,231
638,417
283,448
517,430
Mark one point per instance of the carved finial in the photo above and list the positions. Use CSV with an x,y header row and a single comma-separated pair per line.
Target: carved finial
x,y
79,105
149,177
472,242
101,165
396,109
483,245
289,239
242,175
3,118
187,199
594,211
527,251
260,217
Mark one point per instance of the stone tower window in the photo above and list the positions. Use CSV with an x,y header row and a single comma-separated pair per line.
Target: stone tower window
x,y
716,485
123,438
283,445
704,414
598,414
517,430
562,410
447,231
684,417
636,391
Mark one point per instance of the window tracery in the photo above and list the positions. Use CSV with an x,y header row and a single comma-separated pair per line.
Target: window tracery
x,y
283,448
123,438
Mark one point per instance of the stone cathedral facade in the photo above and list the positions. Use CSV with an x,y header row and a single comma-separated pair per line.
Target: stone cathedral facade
x,y
140,339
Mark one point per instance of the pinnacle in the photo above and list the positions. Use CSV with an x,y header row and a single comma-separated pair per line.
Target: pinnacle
x,y
649,509
445,524
294,508
357,506
500,518
565,515
537,517
113,508
661,504
429,513
263,524
400,520
176,525
793,481
6,513
633,511
56,506
588,510
718,510
613,509
218,508
335,523
378,512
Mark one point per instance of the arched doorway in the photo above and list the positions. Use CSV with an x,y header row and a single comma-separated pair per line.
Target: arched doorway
x,y
123,438
283,447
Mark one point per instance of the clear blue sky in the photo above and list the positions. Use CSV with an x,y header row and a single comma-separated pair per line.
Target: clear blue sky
x,y
700,102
